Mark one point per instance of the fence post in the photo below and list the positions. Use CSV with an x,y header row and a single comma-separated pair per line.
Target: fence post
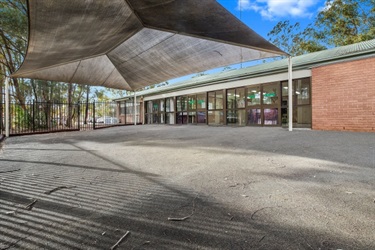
x,y
7,108
93,116
33,112
79,115
135,107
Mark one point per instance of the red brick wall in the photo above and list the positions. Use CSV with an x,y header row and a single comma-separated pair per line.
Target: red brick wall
x,y
343,96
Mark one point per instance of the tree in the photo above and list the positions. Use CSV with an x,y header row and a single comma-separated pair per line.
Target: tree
x,y
293,40
13,39
341,22
344,22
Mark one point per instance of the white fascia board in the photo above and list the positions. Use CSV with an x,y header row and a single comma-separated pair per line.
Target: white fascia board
x,y
233,84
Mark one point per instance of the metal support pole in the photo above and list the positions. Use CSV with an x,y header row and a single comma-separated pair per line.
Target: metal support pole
x,y
93,116
143,111
135,108
290,93
7,106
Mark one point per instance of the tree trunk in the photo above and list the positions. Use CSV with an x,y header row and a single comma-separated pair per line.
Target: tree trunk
x,y
1,100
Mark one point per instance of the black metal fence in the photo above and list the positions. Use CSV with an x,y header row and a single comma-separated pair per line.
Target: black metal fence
x,y
46,117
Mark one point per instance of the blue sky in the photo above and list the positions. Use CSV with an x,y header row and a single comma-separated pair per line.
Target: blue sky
x,y
263,15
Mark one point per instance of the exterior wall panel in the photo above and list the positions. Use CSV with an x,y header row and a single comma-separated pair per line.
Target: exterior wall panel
x,y
343,96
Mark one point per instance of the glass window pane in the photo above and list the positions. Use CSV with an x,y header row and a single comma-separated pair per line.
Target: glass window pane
x,y
192,118
236,117
231,117
284,88
201,101
219,99
240,98
211,100
241,117
254,117
129,108
271,93
201,117
170,118
167,105
162,121
192,102
155,106
122,108
302,116
155,119
149,107
303,91
162,105
253,96
231,99
182,118
148,119
184,102
179,106
271,116
215,117
170,102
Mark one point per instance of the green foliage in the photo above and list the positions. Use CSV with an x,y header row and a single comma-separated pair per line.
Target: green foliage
x,y
293,40
22,119
345,22
199,74
341,22
13,44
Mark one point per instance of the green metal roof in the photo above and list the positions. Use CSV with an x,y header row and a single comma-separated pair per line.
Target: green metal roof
x,y
307,61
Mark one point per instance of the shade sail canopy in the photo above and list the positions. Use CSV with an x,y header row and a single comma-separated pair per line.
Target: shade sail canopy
x,y
130,44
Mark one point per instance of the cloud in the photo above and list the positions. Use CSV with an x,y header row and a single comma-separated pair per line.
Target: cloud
x,y
327,6
271,9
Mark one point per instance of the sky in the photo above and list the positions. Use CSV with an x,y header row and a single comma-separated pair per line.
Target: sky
x,y
262,15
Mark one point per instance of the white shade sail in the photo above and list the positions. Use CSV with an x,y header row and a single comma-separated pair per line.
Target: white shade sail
x,y
130,44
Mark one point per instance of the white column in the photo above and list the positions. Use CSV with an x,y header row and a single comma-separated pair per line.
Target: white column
x,y
143,111
290,93
135,108
7,107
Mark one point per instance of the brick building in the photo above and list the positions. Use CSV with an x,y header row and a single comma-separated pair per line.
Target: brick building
x,y
332,90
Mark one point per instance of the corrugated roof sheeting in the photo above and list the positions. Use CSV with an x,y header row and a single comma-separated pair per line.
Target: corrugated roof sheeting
x,y
143,41
344,53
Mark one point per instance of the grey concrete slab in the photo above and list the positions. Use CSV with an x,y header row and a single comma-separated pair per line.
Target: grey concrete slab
x,y
243,188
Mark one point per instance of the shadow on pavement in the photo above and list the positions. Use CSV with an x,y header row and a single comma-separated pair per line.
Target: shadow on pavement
x,y
107,198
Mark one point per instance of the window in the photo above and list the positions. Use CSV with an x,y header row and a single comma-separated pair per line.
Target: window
x,y
201,101
253,95
254,117
182,115
169,109
270,103
155,112
271,94
215,107
201,108
236,106
302,117
129,111
271,116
